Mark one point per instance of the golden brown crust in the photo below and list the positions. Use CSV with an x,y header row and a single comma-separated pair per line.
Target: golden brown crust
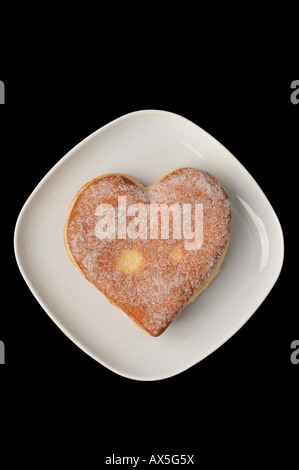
x,y
151,316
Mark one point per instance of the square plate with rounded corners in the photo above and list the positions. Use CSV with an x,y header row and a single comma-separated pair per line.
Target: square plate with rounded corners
x,y
146,144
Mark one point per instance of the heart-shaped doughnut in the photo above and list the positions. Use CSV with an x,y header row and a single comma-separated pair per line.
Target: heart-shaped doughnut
x,y
150,250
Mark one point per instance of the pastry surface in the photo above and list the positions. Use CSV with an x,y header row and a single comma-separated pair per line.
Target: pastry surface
x,y
150,279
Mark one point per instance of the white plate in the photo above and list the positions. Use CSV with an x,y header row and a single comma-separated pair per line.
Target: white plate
x,y
146,144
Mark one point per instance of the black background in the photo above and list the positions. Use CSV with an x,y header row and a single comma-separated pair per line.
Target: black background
x,y
66,77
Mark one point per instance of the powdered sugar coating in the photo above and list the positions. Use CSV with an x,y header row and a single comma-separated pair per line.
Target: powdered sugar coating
x,y
156,293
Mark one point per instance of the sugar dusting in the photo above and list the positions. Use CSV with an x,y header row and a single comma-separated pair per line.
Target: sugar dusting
x,y
154,294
